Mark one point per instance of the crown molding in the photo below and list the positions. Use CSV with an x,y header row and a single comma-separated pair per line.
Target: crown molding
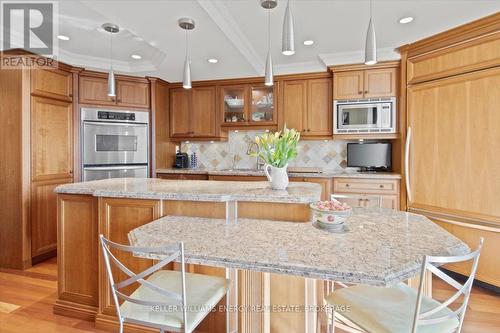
x,y
353,57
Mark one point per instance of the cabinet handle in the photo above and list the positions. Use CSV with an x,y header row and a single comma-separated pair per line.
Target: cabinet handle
x,y
309,130
347,185
360,92
381,186
118,100
366,91
70,95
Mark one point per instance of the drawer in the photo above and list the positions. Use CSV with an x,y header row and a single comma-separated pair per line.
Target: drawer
x,y
374,186
182,176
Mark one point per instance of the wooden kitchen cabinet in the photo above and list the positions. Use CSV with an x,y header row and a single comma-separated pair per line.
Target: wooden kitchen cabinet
x,y
348,85
130,92
251,104
44,216
52,139
307,107
193,113
385,189
181,176
52,83
368,83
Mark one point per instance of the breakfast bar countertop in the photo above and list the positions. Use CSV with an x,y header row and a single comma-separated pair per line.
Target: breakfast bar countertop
x,y
382,246
194,190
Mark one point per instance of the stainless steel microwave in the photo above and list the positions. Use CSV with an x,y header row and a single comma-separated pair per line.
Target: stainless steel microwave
x,y
365,116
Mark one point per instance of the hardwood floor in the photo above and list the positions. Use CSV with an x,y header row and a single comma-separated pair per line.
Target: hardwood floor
x,y
26,299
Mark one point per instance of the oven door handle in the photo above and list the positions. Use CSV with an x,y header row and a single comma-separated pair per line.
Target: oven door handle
x,y
115,168
115,124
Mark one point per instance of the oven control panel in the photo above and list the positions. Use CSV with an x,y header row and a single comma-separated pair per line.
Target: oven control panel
x,y
115,115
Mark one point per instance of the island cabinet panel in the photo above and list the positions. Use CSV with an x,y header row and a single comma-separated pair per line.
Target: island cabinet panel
x,y
77,256
52,83
116,218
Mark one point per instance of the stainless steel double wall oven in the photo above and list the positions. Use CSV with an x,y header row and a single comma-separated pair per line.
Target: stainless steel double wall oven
x,y
115,143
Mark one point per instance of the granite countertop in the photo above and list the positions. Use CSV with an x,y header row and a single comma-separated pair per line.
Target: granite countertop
x,y
193,190
248,172
382,246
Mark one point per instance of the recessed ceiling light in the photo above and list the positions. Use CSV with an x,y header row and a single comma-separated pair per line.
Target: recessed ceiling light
x,y
308,42
213,60
62,37
406,19
136,56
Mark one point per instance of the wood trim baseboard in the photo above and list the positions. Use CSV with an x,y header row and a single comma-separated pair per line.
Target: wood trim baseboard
x,y
74,310
110,324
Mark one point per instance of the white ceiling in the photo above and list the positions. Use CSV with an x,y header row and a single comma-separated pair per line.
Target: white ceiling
x,y
235,32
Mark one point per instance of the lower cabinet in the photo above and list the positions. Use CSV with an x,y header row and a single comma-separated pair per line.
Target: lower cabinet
x,y
182,176
366,192
44,218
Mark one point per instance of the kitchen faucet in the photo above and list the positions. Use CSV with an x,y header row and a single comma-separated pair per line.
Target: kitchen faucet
x,y
253,148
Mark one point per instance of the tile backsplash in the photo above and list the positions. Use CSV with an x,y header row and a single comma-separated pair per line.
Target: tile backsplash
x,y
329,155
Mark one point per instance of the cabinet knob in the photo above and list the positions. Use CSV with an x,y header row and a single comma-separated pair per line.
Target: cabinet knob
x,y
309,130
381,186
360,92
366,91
347,185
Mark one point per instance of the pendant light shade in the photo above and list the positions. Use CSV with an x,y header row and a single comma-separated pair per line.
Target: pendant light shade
x,y
186,79
269,80
186,24
371,42
112,29
269,4
288,37
111,83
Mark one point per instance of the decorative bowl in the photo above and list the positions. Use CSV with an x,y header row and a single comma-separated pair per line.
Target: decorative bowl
x,y
322,213
235,102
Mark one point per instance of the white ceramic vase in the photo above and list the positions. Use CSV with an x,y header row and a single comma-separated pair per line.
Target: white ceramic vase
x,y
278,177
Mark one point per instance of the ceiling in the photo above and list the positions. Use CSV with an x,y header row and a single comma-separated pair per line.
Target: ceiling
x,y
235,32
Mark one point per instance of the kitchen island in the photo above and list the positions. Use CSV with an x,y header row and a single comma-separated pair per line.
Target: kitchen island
x,y
259,238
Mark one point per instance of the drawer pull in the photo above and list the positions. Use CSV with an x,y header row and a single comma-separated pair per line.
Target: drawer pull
x,y
381,186
347,185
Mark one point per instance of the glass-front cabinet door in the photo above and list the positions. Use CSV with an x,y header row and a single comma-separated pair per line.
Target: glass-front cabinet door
x,y
234,104
262,109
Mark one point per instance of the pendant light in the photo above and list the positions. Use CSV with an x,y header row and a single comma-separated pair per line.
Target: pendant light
x,y
112,29
186,24
371,42
288,38
269,4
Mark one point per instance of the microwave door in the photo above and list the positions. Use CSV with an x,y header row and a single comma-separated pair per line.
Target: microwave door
x,y
114,143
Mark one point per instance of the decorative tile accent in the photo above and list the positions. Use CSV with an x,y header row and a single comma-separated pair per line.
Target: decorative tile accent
x,y
329,155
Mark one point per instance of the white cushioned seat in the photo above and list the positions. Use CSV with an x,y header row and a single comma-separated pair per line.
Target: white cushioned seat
x,y
203,292
387,310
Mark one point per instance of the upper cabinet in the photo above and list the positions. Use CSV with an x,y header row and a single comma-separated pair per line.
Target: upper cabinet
x,y
369,83
247,105
307,107
193,113
52,83
130,92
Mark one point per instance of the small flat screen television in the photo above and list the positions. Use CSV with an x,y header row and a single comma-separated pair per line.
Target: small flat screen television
x,y
372,156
